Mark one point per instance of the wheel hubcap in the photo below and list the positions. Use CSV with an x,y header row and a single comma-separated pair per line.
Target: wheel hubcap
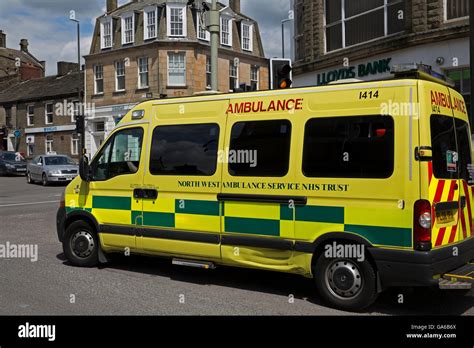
x,y
343,279
82,244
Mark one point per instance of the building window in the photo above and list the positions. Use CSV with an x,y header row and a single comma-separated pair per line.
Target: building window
x,y
189,150
143,72
254,74
98,79
151,23
299,28
30,115
247,37
99,126
75,145
350,23
106,33
355,147
202,33
176,69
48,113
269,141
233,76
456,9
128,28
208,73
176,20
49,144
120,76
226,31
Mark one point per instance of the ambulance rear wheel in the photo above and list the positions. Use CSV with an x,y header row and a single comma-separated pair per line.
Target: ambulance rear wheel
x,y
345,284
81,245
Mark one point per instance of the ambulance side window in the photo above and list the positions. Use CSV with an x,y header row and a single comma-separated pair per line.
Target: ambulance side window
x,y
260,148
443,144
120,156
189,150
349,147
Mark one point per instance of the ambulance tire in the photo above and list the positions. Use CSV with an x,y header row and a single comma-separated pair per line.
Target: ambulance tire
x,y
328,273
81,245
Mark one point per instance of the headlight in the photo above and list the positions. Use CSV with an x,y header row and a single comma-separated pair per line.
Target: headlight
x,y
54,172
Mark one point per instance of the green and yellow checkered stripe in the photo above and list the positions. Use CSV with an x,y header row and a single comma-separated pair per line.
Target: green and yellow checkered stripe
x,y
308,222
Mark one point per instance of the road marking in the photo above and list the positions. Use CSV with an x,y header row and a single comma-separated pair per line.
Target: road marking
x,y
32,203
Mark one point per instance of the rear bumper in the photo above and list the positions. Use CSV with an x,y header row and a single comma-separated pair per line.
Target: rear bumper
x,y
417,268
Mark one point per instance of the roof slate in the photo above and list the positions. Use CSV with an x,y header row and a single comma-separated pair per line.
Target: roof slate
x,y
43,88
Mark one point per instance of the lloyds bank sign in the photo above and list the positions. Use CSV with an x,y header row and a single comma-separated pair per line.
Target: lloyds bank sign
x,y
357,71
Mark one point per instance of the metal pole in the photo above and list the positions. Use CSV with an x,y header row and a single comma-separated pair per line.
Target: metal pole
x,y
283,36
471,58
283,39
214,29
79,106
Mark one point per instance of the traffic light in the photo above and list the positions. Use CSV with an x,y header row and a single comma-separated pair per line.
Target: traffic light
x,y
80,124
280,73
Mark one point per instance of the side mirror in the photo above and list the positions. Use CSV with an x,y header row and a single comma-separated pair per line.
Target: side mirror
x,y
84,169
39,164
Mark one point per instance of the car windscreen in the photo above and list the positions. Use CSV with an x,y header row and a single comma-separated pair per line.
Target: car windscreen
x,y
58,161
9,156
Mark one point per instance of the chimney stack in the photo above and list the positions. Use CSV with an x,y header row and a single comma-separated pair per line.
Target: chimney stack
x,y
24,45
111,5
65,68
3,39
235,5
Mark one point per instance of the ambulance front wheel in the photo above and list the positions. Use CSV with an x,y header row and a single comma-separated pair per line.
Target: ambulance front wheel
x,y
345,284
81,245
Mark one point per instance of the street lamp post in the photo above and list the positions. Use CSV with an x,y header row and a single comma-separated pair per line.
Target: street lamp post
x,y
214,29
283,22
72,17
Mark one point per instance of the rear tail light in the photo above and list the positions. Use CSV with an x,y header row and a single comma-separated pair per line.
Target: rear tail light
x,y
422,223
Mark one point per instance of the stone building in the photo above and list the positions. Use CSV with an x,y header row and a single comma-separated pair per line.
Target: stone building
x,y
15,66
160,48
42,111
337,39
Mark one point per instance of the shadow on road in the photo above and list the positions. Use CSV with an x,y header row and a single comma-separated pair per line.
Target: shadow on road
x,y
414,301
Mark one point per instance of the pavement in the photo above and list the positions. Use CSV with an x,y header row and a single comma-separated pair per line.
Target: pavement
x,y
138,285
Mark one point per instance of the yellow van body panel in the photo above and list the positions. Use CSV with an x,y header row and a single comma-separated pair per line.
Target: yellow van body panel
x,y
195,223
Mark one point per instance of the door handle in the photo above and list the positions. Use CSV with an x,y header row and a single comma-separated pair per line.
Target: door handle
x,y
145,194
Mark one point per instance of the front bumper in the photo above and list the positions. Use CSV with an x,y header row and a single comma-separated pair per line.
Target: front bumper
x,y
420,268
61,177
15,171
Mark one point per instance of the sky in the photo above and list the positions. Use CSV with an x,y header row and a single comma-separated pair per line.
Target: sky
x,y
52,36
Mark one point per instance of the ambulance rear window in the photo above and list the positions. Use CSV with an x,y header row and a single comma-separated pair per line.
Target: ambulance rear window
x,y
450,142
349,147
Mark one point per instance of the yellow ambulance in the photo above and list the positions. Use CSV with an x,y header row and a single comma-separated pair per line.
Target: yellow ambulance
x,y
360,186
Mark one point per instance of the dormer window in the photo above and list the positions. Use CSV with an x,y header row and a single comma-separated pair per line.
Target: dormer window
x,y
106,32
247,36
176,26
202,32
226,31
150,22
128,28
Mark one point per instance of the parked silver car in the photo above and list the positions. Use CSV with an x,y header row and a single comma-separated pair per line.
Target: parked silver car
x,y
51,168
